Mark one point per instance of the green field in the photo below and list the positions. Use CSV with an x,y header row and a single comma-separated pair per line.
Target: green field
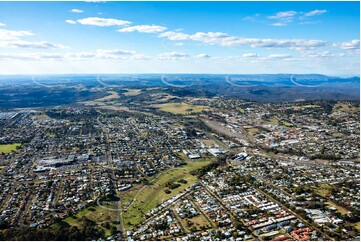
x,y
153,195
95,213
180,108
8,148
273,121
323,190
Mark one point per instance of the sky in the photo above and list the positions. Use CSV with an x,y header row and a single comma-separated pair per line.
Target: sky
x,y
180,37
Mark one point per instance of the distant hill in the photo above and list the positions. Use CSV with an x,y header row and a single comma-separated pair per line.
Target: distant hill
x,y
45,90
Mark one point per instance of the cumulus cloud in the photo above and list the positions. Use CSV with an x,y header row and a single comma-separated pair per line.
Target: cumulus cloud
x,y
279,56
172,35
2,24
173,56
14,39
289,16
283,15
315,13
13,34
351,45
278,24
223,39
114,53
31,56
81,55
31,44
144,29
69,21
248,55
325,54
103,22
74,10
203,56
310,22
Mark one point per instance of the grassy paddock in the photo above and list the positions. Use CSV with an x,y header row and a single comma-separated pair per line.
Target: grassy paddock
x,y
96,214
153,195
132,92
8,148
112,95
180,108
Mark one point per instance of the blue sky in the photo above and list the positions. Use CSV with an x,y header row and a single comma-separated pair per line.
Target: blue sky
x,y
179,37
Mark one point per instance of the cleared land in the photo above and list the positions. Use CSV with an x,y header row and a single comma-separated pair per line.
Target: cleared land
x,y
344,107
113,95
153,195
340,209
9,148
208,142
324,190
180,108
305,107
273,121
107,100
132,92
41,116
253,131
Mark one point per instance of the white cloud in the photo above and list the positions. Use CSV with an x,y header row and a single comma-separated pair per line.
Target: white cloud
x,y
223,39
283,15
81,55
118,54
249,18
31,56
202,56
144,29
278,24
279,56
172,35
315,13
69,21
250,55
31,44
103,22
13,39
2,24
310,22
325,54
114,53
351,45
173,56
13,34
111,54
74,10
253,18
